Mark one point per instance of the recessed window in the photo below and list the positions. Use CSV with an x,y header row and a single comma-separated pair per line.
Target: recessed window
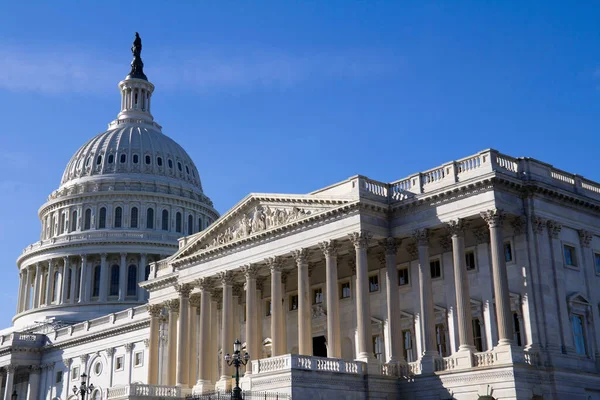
x,y
378,347
477,338
111,159
373,283
407,339
345,290
87,220
403,278
102,218
570,259
179,166
134,217
436,268
293,302
178,222
75,373
470,260
508,254
187,169
597,262
318,296
268,309
123,158
159,161
578,334
118,217
138,359
148,160
165,220
516,329
59,376
88,162
119,363
98,368
440,337
150,218
98,160
136,158
170,163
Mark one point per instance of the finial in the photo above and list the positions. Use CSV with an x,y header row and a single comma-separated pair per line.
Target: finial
x,y
137,66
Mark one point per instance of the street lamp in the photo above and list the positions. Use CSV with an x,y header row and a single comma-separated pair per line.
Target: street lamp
x,y
14,395
83,388
236,360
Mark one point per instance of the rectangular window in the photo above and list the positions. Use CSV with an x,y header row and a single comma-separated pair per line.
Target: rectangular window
x,y
516,329
570,255
138,359
378,347
470,260
75,373
345,290
119,363
407,338
477,335
436,268
293,302
597,262
578,334
373,283
508,254
59,376
318,296
268,309
440,336
403,277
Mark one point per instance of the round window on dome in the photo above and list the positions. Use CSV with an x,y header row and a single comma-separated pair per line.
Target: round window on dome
x,y
179,166
159,161
99,160
135,158
148,160
111,159
170,163
123,158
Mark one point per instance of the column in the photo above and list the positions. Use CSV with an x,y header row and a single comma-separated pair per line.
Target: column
x,y
260,283
8,382
142,277
275,266
427,316
227,321
173,307
204,339
193,339
154,310
22,281
250,272
37,285
27,289
110,352
50,282
332,298
57,296
67,362
103,278
65,280
390,247
213,351
184,291
33,389
363,303
129,353
304,306
73,283
495,219
123,277
461,282
83,278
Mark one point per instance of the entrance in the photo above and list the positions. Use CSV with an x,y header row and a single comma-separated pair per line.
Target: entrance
x,y
319,347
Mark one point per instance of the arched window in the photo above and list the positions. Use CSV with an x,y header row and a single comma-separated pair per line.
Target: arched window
x,y
147,272
87,223
148,160
150,218
62,227
178,222
131,280
111,158
159,161
114,281
69,279
199,224
165,220
118,217
170,162
96,285
99,160
134,217
55,293
187,170
190,225
135,158
123,158
179,166
73,221
102,218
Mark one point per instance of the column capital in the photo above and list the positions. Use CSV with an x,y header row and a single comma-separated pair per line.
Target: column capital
x,y
585,237
84,358
34,369
456,227
146,343
300,256
172,305
123,255
10,368
494,217
237,289
66,259
329,248
184,289
103,256
110,351
204,283
226,278
195,300
519,224
554,228
275,264
83,257
51,263
128,347
67,362
155,309
537,223
360,239
250,271
421,237
390,245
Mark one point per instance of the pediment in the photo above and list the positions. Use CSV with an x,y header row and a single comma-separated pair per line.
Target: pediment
x,y
256,215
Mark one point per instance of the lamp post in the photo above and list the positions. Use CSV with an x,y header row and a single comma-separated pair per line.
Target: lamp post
x,y
14,395
83,388
237,360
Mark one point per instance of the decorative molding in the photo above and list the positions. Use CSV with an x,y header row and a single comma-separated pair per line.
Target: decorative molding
x,y
250,271
360,240
172,305
300,256
554,228
329,248
184,289
494,217
585,237
390,245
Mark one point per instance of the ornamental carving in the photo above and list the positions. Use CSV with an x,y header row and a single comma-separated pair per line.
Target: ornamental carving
x,y
250,271
494,218
329,248
456,227
67,362
155,310
412,250
195,300
585,237
554,228
84,358
110,351
300,256
421,237
390,245
275,264
226,277
128,347
204,284
184,289
172,305
519,224
360,240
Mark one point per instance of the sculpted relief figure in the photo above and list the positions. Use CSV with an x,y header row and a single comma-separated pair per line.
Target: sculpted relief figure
x,y
258,220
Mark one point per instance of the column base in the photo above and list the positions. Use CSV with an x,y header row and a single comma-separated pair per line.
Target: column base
x,y
464,357
223,384
203,386
246,383
428,362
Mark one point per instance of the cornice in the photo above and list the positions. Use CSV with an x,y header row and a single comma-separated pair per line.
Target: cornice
x,y
160,282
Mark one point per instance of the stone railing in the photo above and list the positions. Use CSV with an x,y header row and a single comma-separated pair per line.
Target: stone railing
x,y
484,359
414,368
141,390
23,339
445,364
292,361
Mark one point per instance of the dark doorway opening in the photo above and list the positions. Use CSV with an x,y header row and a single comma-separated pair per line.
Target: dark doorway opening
x,y
319,347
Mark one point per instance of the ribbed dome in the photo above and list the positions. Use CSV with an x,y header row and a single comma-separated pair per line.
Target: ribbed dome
x,y
132,149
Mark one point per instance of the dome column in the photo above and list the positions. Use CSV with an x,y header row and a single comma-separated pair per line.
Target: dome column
x,y
65,280
141,293
83,279
37,285
50,282
103,278
22,282
123,277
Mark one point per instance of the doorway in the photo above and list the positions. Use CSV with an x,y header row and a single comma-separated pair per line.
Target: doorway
x,y
319,346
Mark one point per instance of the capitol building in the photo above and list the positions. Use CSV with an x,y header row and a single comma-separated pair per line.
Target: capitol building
x,y
479,278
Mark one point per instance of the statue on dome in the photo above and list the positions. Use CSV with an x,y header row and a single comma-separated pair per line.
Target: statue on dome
x,y
136,49
137,66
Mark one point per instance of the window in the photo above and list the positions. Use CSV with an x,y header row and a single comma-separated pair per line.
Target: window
x,y
190,225
378,347
119,363
150,218
407,338
403,279
268,308
87,223
136,158
98,160
293,302
102,218
147,274
318,296
98,368
470,260
374,283
165,220
134,217
597,262
345,290
114,281
436,268
508,255
578,334
123,158
187,170
62,227
75,373
440,337
96,286
73,221
111,158
170,162
148,160
138,359
132,280
55,293
178,222
516,329
159,161
570,259
59,376
477,335
118,217
69,279
179,166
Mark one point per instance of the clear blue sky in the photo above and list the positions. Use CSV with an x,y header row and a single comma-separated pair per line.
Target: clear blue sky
x,y
289,96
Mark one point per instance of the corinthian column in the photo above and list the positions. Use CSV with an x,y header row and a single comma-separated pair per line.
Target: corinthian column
x,y
226,330
123,277
173,307
275,266
193,338
250,272
83,279
9,380
22,276
495,219
154,310
390,247
184,291
334,345
37,285
304,307
363,302
50,283
27,294
204,340
65,281
103,289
